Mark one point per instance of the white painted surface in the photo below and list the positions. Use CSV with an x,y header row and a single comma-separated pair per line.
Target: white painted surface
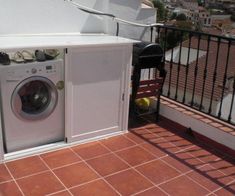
x,y
198,126
131,10
226,107
58,41
49,16
59,16
96,79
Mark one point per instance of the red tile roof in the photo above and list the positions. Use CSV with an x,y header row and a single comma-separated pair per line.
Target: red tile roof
x,y
223,50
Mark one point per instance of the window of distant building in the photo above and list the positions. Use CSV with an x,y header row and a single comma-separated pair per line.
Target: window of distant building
x,y
205,20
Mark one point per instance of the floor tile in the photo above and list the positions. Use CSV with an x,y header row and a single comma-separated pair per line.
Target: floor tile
x,y
75,174
60,157
128,182
40,184
9,188
4,174
152,192
225,166
188,159
177,163
183,186
61,193
157,171
117,143
95,188
228,190
27,166
153,149
134,138
90,150
165,145
210,178
203,155
135,155
107,164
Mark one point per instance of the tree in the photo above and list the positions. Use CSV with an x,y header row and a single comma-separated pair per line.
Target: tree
x,y
233,17
181,17
173,16
161,11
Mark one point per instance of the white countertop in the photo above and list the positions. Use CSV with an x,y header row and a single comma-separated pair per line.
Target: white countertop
x,y
13,42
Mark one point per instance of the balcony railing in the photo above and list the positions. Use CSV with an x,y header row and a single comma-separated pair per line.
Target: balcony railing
x,y
200,70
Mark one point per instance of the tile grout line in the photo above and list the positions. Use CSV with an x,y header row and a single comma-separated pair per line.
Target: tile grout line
x,y
34,174
50,194
131,167
223,186
195,168
55,175
101,177
3,182
152,187
14,180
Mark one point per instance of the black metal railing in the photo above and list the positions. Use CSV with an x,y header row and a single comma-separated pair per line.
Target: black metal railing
x,y
200,70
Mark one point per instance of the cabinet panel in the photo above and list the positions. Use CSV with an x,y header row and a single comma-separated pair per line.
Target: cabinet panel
x,y
95,80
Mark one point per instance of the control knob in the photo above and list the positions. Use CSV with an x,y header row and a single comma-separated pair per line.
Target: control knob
x,y
33,70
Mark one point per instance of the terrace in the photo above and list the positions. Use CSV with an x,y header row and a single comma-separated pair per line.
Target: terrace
x,y
164,158
189,151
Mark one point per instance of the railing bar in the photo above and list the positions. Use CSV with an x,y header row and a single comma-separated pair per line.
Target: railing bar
x,y
164,48
205,73
214,76
193,32
232,102
158,34
224,80
170,76
187,68
151,34
179,65
196,70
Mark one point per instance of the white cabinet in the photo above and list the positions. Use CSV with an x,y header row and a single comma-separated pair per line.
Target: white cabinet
x,y
97,90
1,139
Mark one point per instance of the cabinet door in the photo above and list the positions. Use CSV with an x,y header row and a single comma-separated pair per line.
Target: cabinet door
x,y
95,78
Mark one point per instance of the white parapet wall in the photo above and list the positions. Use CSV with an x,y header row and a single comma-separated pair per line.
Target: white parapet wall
x,y
198,126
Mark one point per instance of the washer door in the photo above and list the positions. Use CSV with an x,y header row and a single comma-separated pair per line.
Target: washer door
x,y
35,98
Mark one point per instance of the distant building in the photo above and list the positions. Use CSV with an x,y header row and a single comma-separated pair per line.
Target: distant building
x,y
201,16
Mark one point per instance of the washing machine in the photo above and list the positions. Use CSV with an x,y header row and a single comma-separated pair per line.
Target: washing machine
x,y
32,99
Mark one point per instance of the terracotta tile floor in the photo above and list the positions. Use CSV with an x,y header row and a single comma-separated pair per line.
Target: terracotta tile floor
x,y
152,159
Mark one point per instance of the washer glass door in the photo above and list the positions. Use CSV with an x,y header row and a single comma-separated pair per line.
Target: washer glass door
x,y
35,98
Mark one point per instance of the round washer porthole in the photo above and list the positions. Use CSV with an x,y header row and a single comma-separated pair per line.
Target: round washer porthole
x,y
35,98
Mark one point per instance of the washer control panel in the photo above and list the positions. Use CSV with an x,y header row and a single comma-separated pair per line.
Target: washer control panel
x,y
33,69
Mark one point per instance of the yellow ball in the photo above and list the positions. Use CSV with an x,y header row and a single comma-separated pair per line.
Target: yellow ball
x,y
143,103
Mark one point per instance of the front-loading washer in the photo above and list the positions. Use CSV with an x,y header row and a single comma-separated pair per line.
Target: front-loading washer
x,y
32,98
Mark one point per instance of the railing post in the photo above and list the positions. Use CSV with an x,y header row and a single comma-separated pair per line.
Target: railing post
x,y
232,101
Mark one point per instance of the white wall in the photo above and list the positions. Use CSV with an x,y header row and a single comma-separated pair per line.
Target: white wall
x,y
225,110
198,126
131,10
58,16
49,16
